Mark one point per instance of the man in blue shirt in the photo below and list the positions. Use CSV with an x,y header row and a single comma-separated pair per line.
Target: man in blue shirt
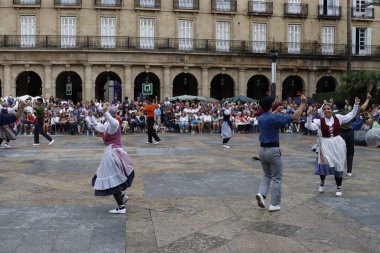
x,y
270,154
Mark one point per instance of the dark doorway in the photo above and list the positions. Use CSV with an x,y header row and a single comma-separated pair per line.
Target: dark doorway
x,y
222,86
326,84
258,87
292,87
108,87
69,86
185,84
144,78
28,83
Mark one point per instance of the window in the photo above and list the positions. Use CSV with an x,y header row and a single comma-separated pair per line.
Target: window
x,y
147,33
294,6
329,7
360,8
68,32
108,32
27,1
361,41
28,31
259,6
185,35
108,2
294,39
328,35
259,37
68,1
185,4
223,36
223,5
147,3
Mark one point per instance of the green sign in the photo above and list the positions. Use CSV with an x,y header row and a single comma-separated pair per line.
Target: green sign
x,y
147,88
69,89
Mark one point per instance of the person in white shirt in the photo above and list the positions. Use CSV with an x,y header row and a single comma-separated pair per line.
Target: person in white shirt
x,y
184,123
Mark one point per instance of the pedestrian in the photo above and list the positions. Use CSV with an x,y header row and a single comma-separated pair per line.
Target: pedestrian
x,y
332,148
270,153
115,173
226,126
39,109
150,109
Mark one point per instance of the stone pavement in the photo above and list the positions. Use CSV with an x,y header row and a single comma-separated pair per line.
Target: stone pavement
x,y
189,195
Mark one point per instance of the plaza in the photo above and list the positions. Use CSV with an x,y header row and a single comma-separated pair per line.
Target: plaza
x,y
189,195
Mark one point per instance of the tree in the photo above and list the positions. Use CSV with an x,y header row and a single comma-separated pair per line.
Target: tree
x,y
359,83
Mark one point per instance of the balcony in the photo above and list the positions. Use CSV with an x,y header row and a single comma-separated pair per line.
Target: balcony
x,y
154,5
329,12
68,3
296,10
224,6
27,3
108,4
258,8
363,13
186,5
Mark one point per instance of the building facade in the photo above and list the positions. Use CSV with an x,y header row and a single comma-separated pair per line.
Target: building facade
x,y
87,49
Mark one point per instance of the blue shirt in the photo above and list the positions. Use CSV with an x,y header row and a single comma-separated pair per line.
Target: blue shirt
x,y
269,125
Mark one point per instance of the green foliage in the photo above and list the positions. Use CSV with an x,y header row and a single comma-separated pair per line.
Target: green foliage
x,y
337,96
356,80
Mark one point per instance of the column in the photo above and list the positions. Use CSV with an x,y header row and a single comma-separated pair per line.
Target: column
x,y
204,83
311,86
7,81
47,92
242,87
128,83
278,85
89,90
167,85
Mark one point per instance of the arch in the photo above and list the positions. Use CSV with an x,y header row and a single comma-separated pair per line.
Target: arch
x,y
147,77
62,90
292,87
222,86
326,84
28,83
185,84
108,86
258,87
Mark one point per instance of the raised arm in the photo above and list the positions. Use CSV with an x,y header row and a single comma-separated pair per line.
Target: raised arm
x,y
349,116
297,114
364,106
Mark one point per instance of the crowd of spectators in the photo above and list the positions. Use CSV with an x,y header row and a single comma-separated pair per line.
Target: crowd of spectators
x,y
66,117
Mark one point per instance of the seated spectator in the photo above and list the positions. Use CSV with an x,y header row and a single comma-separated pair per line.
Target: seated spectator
x,y
142,122
124,123
71,123
215,119
206,122
133,122
28,123
184,123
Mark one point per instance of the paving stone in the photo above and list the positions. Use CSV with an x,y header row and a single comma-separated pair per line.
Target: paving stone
x,y
280,229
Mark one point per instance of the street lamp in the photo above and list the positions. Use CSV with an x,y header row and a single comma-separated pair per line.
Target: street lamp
x,y
273,57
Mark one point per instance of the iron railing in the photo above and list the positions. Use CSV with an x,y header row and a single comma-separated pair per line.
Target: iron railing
x,y
27,3
175,45
179,5
330,11
108,4
148,4
296,10
224,6
363,13
68,3
258,8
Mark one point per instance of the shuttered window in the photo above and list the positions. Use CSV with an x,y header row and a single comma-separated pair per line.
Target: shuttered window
x,y
328,37
108,32
259,37
147,3
185,34
223,36
28,31
259,6
223,5
68,32
185,4
361,41
294,6
147,33
294,39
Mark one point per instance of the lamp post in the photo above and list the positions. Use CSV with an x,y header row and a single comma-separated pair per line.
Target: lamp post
x,y
273,57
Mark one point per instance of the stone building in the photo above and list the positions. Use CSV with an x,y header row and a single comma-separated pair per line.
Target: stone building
x,y
86,49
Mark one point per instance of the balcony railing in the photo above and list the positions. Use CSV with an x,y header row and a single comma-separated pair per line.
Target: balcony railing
x,y
27,3
296,10
148,4
186,5
68,3
109,4
175,45
223,6
329,11
363,13
258,8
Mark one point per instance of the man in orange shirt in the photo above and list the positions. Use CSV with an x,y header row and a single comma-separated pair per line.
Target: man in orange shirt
x,y
149,109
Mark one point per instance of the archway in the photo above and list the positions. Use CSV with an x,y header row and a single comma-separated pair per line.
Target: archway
x,y
69,86
222,86
258,87
185,84
108,87
146,78
292,87
326,84
28,83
